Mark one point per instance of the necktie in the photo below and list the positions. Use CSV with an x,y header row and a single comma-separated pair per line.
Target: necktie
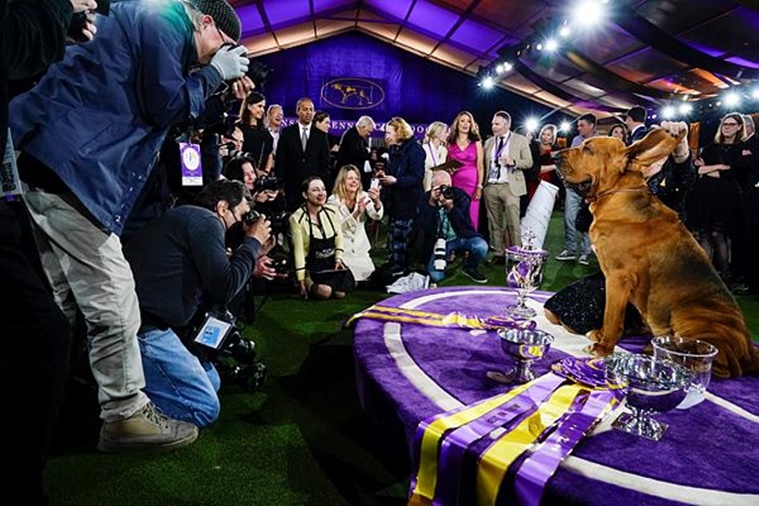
x,y
499,148
304,139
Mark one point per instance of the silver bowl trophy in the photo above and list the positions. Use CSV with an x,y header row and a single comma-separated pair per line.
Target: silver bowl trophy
x,y
526,346
652,386
693,354
524,273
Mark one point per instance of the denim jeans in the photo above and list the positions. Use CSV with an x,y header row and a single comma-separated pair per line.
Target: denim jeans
x,y
182,386
476,246
572,204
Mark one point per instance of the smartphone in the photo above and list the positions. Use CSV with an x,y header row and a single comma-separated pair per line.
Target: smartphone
x,y
375,183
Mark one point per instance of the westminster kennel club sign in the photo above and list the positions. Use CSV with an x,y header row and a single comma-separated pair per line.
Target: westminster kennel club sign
x,y
353,93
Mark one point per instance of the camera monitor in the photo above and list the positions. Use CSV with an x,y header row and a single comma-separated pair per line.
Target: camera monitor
x,y
213,332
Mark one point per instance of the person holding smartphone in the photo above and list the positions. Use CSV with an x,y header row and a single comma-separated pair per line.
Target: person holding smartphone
x,y
354,206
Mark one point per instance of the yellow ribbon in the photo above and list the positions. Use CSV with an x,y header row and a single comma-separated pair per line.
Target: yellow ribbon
x,y
496,460
413,316
426,481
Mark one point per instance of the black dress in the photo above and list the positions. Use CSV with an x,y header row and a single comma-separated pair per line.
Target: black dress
x,y
258,143
714,203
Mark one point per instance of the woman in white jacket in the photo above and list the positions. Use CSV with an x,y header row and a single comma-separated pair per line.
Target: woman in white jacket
x,y
354,205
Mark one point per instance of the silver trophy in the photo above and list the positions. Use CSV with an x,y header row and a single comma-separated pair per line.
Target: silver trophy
x,y
652,386
526,346
524,273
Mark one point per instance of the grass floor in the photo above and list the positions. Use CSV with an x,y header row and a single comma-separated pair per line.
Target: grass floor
x,y
301,440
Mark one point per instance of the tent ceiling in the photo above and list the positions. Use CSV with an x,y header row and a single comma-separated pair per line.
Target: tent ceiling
x,y
687,48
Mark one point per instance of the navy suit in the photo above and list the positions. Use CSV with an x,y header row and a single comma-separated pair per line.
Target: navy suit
x,y
638,134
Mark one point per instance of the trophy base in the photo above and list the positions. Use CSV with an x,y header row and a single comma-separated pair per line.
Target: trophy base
x,y
512,377
521,312
645,426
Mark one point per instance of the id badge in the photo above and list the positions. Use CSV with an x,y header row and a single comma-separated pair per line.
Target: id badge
x,y
192,168
10,183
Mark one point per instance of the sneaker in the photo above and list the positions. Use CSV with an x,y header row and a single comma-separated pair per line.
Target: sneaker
x,y
475,275
147,430
565,256
584,260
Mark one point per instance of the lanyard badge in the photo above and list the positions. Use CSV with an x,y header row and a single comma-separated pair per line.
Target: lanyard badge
x,y
192,168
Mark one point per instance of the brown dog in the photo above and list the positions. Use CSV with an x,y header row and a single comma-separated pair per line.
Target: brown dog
x,y
648,256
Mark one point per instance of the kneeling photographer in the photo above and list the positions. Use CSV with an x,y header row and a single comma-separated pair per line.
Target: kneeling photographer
x,y
442,227
179,260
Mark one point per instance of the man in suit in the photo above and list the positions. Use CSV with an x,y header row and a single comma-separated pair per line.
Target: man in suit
x,y
507,154
635,119
354,149
302,151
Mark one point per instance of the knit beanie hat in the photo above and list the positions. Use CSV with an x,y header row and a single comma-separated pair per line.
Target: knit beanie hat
x,y
223,14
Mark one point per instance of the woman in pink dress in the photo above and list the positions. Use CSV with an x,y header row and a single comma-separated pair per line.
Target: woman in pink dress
x,y
465,146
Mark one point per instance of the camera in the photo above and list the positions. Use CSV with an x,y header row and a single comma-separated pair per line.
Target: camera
x,y
258,73
279,262
446,192
223,125
219,341
438,254
264,183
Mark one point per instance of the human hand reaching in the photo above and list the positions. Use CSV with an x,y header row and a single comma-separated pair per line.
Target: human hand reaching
x,y
231,62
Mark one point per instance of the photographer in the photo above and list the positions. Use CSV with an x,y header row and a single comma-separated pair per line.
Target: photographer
x,y
176,260
442,226
88,143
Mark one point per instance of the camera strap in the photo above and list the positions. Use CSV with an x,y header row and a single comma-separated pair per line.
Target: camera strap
x,y
10,183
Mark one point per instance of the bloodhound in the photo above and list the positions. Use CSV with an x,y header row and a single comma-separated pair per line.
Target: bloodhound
x,y
648,256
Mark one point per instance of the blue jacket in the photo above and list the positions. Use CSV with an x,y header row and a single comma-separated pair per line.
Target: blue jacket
x,y
98,118
406,163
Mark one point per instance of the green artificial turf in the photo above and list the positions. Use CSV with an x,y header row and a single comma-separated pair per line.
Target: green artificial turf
x,y
301,440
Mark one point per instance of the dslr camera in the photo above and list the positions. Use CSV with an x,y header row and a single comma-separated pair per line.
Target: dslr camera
x,y
257,71
446,192
264,183
219,341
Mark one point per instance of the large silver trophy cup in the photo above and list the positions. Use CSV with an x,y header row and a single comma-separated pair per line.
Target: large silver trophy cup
x,y
524,273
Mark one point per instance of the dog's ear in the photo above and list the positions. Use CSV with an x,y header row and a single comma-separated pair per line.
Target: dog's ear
x,y
651,148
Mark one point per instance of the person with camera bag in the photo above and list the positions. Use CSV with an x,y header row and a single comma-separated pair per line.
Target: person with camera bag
x,y
177,260
443,226
88,143
317,245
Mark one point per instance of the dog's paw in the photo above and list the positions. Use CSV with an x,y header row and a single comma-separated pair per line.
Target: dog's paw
x,y
599,349
595,335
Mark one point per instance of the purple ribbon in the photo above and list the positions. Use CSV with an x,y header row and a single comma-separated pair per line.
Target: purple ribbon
x,y
537,469
456,443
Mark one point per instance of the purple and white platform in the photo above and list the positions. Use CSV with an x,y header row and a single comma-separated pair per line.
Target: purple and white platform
x,y
709,454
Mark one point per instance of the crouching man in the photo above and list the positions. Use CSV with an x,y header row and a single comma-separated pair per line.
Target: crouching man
x,y
443,227
177,259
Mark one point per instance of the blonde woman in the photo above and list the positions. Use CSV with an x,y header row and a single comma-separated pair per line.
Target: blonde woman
x,y
402,189
353,207
465,146
435,148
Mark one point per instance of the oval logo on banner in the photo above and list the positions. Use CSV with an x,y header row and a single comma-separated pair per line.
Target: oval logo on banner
x,y
352,93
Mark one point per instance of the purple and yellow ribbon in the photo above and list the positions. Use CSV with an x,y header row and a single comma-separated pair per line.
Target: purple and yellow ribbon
x,y
455,319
